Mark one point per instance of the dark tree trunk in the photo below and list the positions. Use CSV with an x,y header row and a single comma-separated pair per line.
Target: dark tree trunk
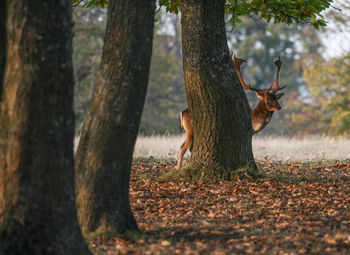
x,y
219,107
37,203
3,15
104,154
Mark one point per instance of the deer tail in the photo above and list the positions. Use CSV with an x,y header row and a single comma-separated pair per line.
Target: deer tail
x,y
181,122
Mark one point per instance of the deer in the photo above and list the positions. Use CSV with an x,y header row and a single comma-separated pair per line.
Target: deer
x,y
260,115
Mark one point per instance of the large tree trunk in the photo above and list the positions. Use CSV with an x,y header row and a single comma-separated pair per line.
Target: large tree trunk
x,y
37,204
3,14
219,107
104,154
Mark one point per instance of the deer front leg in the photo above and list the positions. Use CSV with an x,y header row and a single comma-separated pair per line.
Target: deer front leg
x,y
184,147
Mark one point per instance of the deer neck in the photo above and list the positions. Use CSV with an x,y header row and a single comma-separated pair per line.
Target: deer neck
x,y
260,117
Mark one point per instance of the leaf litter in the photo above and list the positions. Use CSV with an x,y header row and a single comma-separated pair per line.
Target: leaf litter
x,y
294,208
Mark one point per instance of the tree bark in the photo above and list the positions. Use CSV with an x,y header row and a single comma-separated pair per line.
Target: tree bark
x,y
37,203
219,107
3,15
104,154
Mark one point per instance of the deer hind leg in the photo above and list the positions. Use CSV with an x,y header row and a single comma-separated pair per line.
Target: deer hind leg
x,y
188,143
191,147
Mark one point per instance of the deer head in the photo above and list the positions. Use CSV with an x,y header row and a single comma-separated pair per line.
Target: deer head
x,y
268,96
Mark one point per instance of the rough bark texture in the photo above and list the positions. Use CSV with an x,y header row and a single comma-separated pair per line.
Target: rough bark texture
x,y
37,202
104,154
219,107
3,14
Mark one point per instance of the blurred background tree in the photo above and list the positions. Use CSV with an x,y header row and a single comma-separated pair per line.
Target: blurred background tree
x,y
323,107
328,83
89,30
166,95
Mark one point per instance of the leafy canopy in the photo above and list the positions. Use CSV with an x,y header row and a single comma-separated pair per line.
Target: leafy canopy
x,y
280,11
277,11
91,3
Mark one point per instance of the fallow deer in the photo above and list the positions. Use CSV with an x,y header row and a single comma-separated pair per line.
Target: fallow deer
x,y
261,114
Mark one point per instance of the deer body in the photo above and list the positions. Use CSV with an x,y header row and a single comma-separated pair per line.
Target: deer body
x,y
260,115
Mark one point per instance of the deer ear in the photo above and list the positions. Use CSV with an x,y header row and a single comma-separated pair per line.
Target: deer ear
x,y
259,95
279,95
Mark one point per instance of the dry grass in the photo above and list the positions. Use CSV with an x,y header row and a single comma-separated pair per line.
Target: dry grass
x,y
158,146
275,148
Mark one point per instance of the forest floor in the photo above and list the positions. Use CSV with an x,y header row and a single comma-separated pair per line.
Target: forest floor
x,y
294,208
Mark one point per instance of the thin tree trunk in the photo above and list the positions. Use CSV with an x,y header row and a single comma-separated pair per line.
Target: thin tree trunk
x,y
104,154
219,107
37,203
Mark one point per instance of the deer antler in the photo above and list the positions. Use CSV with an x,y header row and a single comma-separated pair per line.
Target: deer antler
x,y
237,62
275,87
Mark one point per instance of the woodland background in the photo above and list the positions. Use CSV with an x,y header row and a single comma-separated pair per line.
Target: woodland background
x,y
317,95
